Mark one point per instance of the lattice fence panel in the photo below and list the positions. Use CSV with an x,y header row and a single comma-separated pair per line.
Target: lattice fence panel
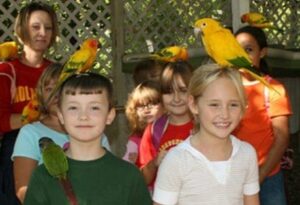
x,y
168,22
78,21
285,14
164,22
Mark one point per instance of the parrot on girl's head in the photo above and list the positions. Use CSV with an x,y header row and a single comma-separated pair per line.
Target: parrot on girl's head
x,y
56,164
221,45
8,50
80,61
258,20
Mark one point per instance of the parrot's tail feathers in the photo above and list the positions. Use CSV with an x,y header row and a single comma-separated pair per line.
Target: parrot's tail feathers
x,y
68,189
261,79
242,62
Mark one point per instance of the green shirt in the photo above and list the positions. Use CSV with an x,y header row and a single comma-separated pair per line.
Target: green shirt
x,y
107,181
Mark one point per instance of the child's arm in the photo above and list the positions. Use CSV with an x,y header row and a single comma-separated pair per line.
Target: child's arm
x,y
149,171
23,168
251,200
281,135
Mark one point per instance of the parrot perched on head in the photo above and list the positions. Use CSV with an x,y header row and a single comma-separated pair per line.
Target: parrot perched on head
x,y
56,163
80,61
30,112
221,45
8,50
258,20
167,54
171,54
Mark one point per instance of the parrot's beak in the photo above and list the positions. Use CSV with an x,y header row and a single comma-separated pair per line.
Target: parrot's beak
x,y
198,32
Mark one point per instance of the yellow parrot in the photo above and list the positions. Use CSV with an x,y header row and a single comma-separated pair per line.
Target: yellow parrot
x,y
258,20
80,61
30,112
221,45
8,50
171,54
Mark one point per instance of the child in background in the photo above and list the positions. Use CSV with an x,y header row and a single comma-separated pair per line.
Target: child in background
x,y
174,81
147,70
211,166
143,107
265,123
97,177
27,154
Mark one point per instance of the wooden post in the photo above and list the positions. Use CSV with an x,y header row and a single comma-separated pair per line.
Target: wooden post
x,y
238,7
118,131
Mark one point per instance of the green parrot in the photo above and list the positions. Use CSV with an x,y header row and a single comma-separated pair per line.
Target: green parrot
x,y
56,164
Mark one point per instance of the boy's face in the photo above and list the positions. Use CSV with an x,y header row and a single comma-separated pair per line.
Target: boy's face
x,y
85,115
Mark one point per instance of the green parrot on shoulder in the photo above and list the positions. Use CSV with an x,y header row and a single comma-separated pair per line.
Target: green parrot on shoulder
x,y
56,163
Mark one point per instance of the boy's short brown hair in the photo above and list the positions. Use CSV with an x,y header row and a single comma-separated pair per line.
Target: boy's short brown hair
x,y
86,83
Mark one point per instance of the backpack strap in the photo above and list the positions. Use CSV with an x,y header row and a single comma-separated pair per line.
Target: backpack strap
x,y
12,79
158,128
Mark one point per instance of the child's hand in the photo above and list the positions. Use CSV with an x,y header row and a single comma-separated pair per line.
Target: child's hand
x,y
161,155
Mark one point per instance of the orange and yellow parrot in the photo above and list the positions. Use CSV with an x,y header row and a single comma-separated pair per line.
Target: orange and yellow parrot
x,y
171,54
30,112
8,50
257,20
221,45
80,61
167,54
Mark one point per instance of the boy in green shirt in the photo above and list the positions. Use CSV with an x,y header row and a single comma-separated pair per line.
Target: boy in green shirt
x,y
96,176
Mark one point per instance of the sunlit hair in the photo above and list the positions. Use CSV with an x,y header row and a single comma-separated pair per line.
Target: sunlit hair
x,y
86,84
172,72
52,72
22,21
206,74
145,93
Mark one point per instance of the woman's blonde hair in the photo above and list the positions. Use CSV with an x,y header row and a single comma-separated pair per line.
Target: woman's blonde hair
x,y
206,74
145,93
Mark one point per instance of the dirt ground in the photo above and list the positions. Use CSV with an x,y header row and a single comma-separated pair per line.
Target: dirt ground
x,y
292,177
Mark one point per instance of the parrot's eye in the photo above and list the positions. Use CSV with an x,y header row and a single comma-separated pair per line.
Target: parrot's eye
x,y
204,24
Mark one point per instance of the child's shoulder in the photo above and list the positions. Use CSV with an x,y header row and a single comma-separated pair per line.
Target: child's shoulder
x,y
239,145
118,162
